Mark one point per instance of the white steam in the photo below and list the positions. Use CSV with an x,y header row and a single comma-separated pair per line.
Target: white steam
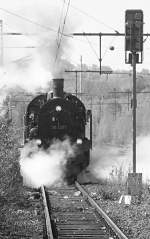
x,y
32,69
110,162
106,159
44,167
143,157
29,77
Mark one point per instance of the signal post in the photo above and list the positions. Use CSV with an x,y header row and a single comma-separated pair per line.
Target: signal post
x,y
133,56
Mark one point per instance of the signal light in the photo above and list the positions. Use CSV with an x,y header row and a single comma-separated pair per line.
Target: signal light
x,y
134,30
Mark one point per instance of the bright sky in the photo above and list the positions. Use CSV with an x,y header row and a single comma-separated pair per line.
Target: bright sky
x,y
83,16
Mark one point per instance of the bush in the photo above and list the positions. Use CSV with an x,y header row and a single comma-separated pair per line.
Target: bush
x,y
109,193
9,165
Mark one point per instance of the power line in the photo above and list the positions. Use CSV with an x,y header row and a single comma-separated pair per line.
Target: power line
x,y
106,50
59,43
64,23
92,47
33,22
19,46
60,20
27,19
51,29
17,33
92,17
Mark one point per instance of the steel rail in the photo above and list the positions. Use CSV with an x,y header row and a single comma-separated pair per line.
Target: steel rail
x,y
47,216
113,226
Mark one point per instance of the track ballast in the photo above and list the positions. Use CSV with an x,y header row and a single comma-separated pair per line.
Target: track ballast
x,y
71,213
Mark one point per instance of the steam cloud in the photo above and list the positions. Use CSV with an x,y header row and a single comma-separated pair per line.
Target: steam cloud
x,y
108,159
32,68
40,167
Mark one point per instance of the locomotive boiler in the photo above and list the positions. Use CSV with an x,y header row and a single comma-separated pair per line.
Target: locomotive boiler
x,y
55,116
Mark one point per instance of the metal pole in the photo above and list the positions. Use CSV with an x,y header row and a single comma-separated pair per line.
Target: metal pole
x,y
81,79
134,110
91,131
1,43
103,34
76,84
100,53
115,110
128,99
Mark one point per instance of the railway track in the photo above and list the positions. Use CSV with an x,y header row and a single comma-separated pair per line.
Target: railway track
x,y
71,213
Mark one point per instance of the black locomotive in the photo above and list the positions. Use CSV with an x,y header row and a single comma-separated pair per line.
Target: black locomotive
x,y
57,115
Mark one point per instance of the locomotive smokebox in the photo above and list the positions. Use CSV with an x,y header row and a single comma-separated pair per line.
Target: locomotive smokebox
x,y
58,87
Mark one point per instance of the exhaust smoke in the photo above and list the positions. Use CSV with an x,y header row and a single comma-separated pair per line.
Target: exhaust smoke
x,y
111,162
44,167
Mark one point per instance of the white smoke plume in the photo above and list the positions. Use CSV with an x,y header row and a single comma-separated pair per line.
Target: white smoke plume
x,y
109,160
44,167
28,79
106,159
32,68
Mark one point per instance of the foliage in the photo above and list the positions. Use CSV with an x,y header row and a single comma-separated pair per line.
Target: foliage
x,y
9,170
133,219
109,193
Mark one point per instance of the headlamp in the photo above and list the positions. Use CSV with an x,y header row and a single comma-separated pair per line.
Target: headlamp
x,y
79,141
38,141
58,108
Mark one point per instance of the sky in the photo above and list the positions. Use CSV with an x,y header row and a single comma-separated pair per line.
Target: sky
x,y
41,20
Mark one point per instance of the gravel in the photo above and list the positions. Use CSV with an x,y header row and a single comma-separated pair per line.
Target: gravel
x,y
133,219
20,215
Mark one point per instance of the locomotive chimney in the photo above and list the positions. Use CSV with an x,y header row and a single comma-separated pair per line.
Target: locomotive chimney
x,y
58,87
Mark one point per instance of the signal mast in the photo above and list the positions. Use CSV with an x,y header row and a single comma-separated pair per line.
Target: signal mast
x,y
133,56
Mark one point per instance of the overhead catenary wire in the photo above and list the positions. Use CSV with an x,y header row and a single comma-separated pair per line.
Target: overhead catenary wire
x,y
19,46
101,22
34,22
46,27
92,17
59,43
27,19
94,51
59,30
51,29
97,20
107,48
61,16
92,47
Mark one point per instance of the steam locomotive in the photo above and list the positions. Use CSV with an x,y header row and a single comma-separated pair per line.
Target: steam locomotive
x,y
57,115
